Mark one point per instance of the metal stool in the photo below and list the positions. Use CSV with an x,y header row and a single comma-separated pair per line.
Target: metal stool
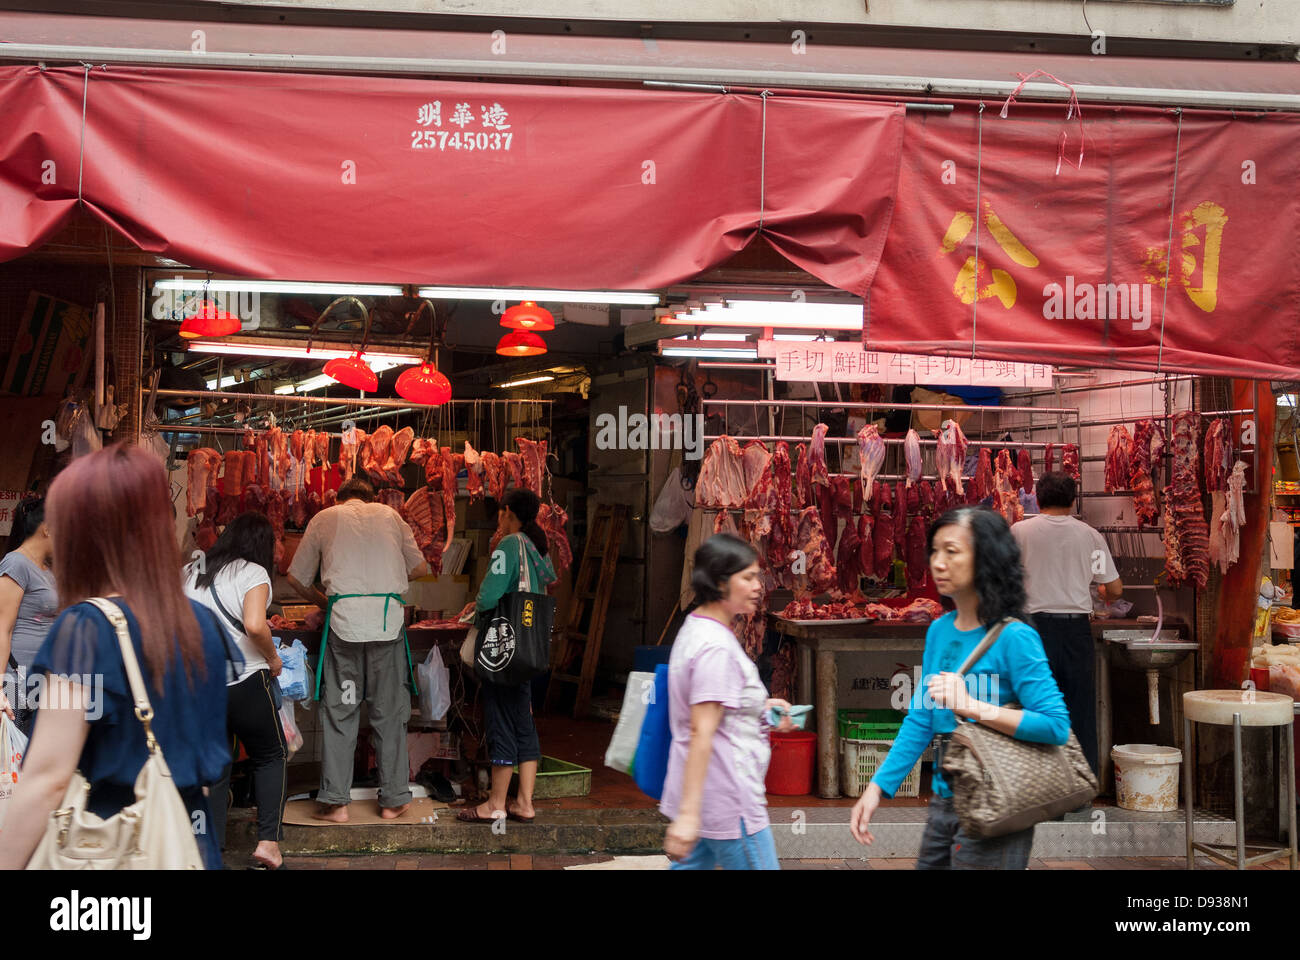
x,y
1237,709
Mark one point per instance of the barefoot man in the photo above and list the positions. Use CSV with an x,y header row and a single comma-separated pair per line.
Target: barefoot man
x,y
365,555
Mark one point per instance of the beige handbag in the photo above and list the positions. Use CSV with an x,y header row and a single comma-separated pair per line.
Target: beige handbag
x,y
468,646
1000,784
154,833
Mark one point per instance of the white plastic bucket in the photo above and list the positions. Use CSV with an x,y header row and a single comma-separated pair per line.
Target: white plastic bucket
x,y
1146,776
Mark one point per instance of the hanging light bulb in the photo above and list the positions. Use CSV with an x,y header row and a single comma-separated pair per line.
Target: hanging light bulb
x,y
528,316
521,343
424,385
209,321
353,372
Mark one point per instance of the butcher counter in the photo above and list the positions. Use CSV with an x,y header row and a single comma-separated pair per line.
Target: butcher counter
x,y
821,642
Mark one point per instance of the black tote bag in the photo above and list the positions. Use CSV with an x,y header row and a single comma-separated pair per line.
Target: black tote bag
x,y
514,640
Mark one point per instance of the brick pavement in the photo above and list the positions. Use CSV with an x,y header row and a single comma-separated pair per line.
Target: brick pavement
x,y
538,862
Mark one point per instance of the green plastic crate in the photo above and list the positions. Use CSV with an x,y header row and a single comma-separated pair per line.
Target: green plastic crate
x,y
870,724
559,778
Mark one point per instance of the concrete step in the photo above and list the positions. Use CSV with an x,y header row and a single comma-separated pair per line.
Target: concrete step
x,y
800,834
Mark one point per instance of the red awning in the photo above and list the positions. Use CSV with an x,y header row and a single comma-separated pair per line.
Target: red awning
x,y
416,181
1072,266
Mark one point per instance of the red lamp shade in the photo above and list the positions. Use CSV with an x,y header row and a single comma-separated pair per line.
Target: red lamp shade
x,y
209,321
424,385
528,316
521,343
352,372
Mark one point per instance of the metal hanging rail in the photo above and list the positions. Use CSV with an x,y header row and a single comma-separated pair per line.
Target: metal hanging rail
x,y
292,398
886,405
1009,444
1091,387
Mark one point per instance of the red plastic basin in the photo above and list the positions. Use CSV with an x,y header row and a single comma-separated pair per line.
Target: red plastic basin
x,y
794,757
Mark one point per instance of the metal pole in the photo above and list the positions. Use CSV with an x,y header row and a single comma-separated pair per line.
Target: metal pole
x,y
1238,792
956,408
341,401
1009,444
1188,763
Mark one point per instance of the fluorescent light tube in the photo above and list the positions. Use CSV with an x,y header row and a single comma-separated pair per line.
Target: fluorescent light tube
x,y
767,313
711,335
293,352
315,383
522,383
721,353
799,337
282,286
549,296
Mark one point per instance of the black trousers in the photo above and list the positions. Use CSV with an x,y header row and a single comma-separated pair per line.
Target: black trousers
x,y
251,716
1067,642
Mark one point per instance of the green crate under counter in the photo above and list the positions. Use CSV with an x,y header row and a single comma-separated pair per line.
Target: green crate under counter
x,y
559,778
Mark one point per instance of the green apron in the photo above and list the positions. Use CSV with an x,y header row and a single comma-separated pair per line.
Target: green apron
x,y
325,634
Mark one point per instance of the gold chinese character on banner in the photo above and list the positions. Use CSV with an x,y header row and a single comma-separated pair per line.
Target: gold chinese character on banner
x,y
967,286
1212,217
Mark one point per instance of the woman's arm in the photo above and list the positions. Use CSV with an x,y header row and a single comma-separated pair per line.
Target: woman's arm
x,y
255,625
685,830
11,595
501,578
50,762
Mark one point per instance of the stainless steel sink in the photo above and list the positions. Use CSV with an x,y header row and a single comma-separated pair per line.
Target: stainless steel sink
x,y
1135,650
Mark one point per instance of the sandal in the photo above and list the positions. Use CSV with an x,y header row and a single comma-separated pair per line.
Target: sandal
x,y
519,819
470,815
259,865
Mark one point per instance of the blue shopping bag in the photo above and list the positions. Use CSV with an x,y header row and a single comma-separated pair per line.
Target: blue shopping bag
x,y
293,680
651,766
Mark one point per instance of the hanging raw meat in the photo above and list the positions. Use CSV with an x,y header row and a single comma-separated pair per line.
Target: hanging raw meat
x,y
494,475
818,569
1006,500
534,462
803,493
322,449
983,479
817,453
915,556
514,468
883,531
1147,439
755,457
723,523
1218,454
1070,461
842,496
866,548
232,484
871,455
1186,536
309,448
950,454
1025,469
205,535
1234,516
348,453
767,512
722,476
900,516
927,500
448,492
202,465
1119,448
423,513
1049,458
473,473
912,455
824,501
374,456
398,451
848,562
297,441
553,522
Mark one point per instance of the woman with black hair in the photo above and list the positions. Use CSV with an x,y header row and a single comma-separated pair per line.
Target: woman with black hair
x,y
28,603
508,711
714,791
976,564
233,580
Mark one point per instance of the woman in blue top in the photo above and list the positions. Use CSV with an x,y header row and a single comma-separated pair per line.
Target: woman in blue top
x,y
508,711
110,516
976,564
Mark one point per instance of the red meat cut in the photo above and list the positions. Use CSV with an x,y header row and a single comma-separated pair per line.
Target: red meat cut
x,y
722,476
883,532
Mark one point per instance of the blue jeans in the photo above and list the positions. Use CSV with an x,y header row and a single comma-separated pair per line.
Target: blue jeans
x,y
756,852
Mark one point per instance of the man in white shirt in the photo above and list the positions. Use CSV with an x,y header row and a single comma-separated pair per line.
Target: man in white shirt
x,y
1063,559
361,548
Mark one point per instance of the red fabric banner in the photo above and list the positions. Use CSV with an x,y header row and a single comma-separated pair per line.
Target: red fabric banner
x,y
416,181
1072,266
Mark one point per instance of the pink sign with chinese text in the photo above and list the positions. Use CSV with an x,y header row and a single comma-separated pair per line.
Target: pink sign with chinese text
x,y
838,362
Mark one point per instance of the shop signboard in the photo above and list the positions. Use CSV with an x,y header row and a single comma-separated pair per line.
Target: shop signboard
x,y
838,362
49,348
8,503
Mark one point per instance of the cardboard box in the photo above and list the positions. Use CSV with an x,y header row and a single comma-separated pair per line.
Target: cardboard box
x,y
446,593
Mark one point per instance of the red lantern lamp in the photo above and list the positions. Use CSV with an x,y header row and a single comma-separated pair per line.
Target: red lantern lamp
x,y
209,321
521,343
353,372
424,385
528,316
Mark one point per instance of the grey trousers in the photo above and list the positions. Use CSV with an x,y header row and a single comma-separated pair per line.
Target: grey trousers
x,y
945,846
376,672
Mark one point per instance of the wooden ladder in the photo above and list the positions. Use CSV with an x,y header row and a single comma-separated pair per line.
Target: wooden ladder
x,y
590,602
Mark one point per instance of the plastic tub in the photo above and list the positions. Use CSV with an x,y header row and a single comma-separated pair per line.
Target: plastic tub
x,y
1146,776
794,755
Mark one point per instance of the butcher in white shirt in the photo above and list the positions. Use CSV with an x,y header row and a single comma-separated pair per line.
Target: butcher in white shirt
x,y
365,555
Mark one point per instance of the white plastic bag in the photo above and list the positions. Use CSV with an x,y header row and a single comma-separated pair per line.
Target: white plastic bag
x,y
292,735
627,733
435,686
12,747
